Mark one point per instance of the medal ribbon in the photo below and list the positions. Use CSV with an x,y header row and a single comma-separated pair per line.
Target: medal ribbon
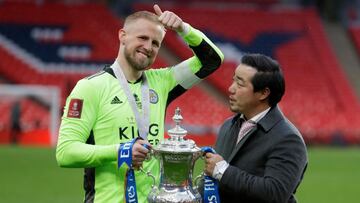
x,y
142,121
125,156
211,190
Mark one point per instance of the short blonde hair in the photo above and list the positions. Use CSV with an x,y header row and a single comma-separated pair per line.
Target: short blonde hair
x,y
143,15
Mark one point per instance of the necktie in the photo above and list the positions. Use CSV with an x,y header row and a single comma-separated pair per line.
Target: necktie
x,y
245,128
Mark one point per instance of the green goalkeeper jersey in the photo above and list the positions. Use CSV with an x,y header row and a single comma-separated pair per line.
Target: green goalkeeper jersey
x,y
98,117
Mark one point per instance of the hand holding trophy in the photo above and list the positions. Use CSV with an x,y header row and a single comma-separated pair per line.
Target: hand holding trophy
x,y
177,159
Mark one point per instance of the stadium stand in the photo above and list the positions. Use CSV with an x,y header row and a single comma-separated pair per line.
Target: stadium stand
x,y
354,31
57,44
53,44
5,106
44,44
203,114
42,31
319,99
31,116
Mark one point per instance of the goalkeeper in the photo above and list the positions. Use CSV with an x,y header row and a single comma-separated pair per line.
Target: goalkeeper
x,y
128,100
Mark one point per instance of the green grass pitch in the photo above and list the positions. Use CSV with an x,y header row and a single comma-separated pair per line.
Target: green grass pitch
x,y
32,175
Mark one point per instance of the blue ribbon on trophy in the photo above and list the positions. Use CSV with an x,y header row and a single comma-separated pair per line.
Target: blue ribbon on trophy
x,y
211,191
125,156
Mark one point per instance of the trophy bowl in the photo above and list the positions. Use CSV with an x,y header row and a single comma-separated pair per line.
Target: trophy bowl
x,y
177,158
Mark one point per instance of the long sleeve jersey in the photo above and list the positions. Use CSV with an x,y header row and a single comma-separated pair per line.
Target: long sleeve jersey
x,y
98,117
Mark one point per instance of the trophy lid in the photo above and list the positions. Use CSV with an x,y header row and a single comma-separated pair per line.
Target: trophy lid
x,y
177,133
176,142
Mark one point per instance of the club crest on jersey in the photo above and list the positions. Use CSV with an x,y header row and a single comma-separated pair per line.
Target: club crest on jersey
x,y
75,108
154,98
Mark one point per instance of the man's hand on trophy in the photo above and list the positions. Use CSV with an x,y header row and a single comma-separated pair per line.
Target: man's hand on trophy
x,y
139,152
210,161
169,19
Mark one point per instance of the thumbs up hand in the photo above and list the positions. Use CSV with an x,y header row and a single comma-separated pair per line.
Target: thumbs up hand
x,y
169,19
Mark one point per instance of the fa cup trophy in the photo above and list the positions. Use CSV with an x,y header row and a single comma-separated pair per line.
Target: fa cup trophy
x,y
177,158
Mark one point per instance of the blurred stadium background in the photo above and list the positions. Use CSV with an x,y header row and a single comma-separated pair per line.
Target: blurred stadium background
x,y
47,45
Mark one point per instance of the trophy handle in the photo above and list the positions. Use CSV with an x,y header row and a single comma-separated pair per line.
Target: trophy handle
x,y
148,157
148,173
197,180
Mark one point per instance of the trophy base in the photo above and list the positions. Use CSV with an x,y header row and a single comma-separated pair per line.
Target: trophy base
x,y
175,195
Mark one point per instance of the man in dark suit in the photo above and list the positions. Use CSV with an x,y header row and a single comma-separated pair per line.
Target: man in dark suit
x,y
261,155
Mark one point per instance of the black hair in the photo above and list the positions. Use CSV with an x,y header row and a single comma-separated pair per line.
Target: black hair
x,y
268,75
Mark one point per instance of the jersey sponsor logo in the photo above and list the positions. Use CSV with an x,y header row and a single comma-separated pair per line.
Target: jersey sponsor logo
x,y
129,132
116,100
154,98
75,108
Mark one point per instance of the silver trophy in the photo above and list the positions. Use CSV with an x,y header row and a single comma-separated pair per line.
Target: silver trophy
x,y
177,159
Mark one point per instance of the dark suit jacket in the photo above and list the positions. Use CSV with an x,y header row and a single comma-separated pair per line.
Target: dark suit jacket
x,y
267,165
